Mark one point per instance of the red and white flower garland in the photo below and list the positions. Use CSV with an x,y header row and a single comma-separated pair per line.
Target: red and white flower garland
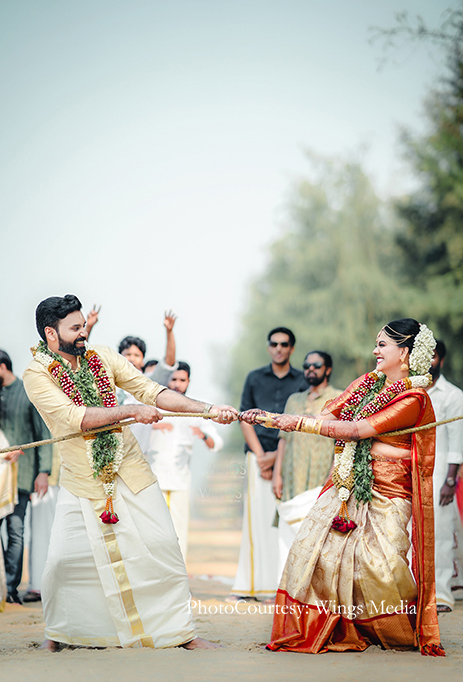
x,y
343,473
61,374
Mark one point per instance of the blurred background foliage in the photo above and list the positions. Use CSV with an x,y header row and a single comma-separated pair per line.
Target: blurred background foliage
x,y
346,263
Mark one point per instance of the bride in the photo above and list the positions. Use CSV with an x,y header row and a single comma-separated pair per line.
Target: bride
x,y
347,583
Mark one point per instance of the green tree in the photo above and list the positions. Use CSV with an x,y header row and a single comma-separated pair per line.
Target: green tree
x,y
330,276
431,233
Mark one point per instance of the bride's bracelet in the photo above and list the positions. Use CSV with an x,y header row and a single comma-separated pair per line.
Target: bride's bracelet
x,y
309,425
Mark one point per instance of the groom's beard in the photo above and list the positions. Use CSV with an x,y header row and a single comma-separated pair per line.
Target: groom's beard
x,y
71,348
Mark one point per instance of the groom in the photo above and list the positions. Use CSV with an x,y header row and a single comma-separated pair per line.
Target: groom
x,y
123,582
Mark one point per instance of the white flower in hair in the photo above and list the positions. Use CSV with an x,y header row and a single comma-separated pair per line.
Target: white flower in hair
x,y
422,352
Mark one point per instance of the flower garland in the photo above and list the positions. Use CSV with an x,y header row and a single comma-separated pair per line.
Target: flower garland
x,y
105,450
422,351
352,460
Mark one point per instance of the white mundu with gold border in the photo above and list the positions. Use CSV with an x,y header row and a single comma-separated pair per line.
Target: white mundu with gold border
x,y
257,575
116,585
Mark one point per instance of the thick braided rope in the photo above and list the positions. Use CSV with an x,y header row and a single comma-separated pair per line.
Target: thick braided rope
x,y
415,429
265,420
109,427
100,429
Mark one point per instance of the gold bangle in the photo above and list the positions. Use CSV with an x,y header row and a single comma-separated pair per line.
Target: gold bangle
x,y
311,425
299,424
308,424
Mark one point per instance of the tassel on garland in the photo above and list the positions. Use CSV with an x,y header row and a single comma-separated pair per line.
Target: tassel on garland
x,y
342,522
109,515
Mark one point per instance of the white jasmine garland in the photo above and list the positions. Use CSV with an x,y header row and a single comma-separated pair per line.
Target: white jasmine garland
x,y
344,494
346,460
422,381
422,351
44,359
109,488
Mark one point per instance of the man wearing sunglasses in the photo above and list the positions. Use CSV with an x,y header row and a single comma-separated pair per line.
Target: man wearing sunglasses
x,y
267,388
303,460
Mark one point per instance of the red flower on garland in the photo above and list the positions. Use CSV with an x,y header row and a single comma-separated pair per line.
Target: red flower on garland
x,y
343,525
109,517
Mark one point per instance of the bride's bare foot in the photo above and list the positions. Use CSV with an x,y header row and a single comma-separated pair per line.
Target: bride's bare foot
x,y
199,643
50,645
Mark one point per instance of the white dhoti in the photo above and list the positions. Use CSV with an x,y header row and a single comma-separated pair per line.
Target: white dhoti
x,y
257,574
8,486
457,578
445,520
178,502
291,515
8,500
3,590
116,585
42,515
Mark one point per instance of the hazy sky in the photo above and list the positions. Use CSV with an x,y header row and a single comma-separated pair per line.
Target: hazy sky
x,y
147,149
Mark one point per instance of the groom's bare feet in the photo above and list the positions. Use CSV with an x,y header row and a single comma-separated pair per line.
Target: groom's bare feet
x,y
50,645
199,643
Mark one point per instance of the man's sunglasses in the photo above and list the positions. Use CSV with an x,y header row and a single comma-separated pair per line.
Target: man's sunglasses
x,y
274,344
315,365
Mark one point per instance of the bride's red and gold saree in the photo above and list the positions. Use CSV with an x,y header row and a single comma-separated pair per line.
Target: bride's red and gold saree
x,y
344,592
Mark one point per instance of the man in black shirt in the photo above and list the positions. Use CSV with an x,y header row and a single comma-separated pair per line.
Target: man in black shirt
x,y
267,388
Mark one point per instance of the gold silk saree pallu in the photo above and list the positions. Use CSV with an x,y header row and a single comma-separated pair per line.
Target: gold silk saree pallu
x,y
342,592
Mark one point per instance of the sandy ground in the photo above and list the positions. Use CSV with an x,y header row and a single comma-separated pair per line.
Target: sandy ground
x,y
213,554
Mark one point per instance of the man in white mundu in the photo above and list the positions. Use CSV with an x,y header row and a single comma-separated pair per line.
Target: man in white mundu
x,y
447,401
267,388
169,453
115,575
42,515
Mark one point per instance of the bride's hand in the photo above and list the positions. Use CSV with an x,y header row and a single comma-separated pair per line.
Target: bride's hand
x,y
250,416
286,422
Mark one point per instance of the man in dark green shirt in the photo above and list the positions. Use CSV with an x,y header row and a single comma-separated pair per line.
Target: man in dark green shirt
x,y
21,423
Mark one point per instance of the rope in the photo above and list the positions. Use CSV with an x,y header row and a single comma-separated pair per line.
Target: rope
x,y
129,422
422,428
100,429
265,420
